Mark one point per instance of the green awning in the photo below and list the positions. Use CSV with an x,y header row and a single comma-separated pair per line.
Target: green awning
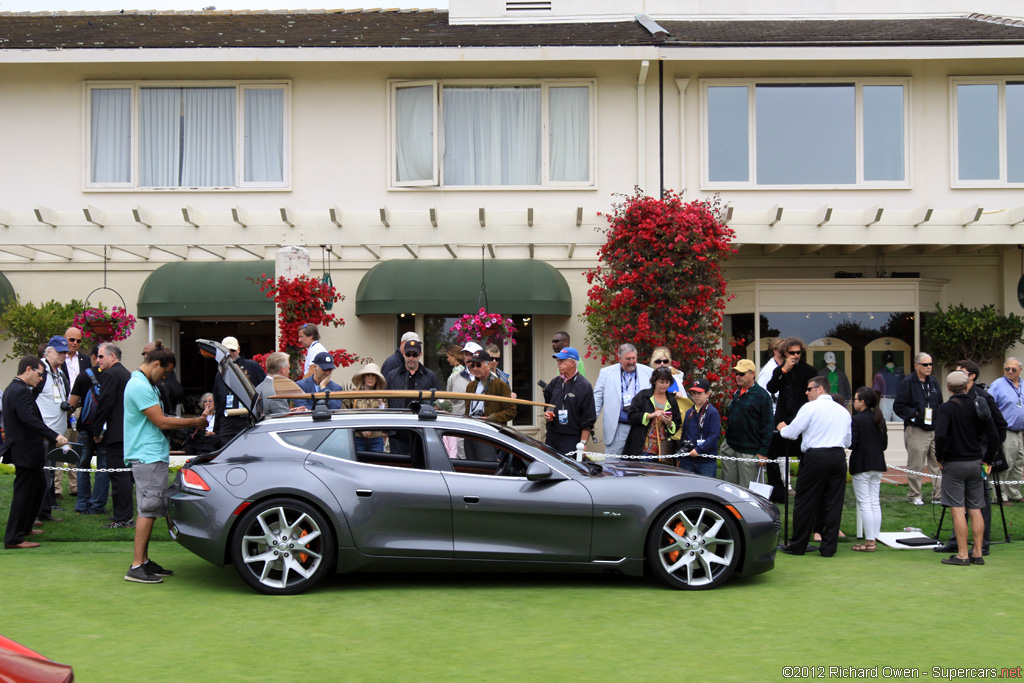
x,y
451,287
6,292
190,289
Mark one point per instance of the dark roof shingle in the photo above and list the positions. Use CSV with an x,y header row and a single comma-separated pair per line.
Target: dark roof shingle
x,y
431,29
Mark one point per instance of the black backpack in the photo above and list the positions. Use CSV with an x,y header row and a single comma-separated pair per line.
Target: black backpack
x,y
90,403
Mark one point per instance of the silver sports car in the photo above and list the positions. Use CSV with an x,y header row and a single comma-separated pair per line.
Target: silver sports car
x,y
297,497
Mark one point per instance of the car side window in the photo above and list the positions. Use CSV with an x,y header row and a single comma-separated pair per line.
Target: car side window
x,y
472,454
337,445
304,439
397,448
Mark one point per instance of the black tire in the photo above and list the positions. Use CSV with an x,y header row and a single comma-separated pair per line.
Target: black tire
x,y
701,558
268,553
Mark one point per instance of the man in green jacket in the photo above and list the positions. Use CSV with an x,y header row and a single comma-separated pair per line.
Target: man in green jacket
x,y
488,384
748,426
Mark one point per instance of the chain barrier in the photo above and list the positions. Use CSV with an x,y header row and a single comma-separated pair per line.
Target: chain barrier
x,y
578,454
87,469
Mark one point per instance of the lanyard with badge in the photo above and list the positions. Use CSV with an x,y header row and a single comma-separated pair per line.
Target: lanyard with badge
x,y
563,413
927,389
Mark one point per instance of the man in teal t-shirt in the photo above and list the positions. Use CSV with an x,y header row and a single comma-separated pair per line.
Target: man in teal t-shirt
x,y
147,451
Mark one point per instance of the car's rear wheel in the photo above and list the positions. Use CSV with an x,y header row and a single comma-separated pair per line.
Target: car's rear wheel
x,y
694,545
282,547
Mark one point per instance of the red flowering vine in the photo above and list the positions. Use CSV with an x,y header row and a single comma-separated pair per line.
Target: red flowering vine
x,y
660,283
301,301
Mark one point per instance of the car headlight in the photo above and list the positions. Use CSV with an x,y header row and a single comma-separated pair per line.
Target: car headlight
x,y
737,491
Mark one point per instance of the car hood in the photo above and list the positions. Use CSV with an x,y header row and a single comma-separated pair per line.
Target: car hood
x,y
636,468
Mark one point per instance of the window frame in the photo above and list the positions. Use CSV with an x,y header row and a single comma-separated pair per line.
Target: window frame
x,y
954,144
437,183
241,86
858,83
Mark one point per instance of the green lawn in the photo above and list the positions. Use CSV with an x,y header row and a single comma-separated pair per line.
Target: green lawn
x,y
891,608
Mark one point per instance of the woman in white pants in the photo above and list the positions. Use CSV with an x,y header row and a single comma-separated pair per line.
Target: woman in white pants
x,y
867,463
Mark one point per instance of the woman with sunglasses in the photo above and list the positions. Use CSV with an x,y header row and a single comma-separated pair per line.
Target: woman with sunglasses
x,y
654,418
661,357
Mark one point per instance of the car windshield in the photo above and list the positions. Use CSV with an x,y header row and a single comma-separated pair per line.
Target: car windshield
x,y
539,445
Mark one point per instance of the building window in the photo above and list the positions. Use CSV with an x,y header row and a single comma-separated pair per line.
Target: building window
x,y
458,134
168,136
988,129
809,134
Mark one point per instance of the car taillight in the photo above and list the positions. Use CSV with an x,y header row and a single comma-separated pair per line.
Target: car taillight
x,y
191,480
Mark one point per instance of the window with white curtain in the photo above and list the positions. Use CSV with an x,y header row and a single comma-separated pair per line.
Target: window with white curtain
x,y
988,132
468,134
187,135
783,133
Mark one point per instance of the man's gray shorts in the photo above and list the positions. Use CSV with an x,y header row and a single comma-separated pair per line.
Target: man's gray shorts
x,y
963,485
150,488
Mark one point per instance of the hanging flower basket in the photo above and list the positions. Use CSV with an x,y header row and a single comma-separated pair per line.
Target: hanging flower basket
x,y
100,325
484,328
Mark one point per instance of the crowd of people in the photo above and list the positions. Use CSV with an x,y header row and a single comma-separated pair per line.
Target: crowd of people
x,y
121,418
787,409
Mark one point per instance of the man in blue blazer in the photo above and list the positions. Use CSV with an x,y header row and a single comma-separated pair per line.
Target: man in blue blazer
x,y
613,392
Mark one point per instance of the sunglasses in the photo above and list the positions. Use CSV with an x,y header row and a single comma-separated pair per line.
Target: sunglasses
x,y
925,365
794,353
1011,369
662,361
412,354
72,340
811,389
475,364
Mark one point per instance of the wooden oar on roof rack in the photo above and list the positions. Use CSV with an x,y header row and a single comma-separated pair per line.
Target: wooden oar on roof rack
x,y
286,388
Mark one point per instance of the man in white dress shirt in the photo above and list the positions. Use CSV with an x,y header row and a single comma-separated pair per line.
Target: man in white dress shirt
x,y
821,483
614,391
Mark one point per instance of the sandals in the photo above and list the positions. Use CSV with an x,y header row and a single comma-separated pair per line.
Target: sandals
x,y
864,547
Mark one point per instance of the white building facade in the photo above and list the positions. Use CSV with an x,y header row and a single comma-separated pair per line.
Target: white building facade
x,y
871,159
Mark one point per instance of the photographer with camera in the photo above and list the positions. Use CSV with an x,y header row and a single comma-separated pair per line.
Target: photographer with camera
x,y
702,427
52,399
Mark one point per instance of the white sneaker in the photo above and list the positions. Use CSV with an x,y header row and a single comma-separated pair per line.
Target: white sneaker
x,y
917,501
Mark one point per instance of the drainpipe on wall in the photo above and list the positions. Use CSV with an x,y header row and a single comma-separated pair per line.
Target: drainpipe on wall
x,y
641,126
661,127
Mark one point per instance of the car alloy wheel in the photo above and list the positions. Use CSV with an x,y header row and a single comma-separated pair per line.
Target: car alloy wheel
x,y
282,547
694,546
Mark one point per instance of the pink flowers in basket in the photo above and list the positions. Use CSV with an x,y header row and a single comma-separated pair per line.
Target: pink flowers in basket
x,y
484,328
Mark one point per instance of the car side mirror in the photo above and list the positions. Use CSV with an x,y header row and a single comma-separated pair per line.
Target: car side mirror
x,y
538,471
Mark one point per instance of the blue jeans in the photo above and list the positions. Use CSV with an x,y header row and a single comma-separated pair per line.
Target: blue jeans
x,y
84,483
707,467
101,486
373,444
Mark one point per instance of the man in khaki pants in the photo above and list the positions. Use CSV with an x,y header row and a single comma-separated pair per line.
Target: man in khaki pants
x,y
916,400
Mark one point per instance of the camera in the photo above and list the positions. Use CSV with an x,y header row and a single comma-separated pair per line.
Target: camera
x,y
65,407
686,445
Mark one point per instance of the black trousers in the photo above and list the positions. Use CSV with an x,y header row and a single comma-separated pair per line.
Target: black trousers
x,y
29,487
563,443
777,451
120,482
820,489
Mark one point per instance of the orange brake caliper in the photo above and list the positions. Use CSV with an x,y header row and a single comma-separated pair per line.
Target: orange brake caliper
x,y
303,556
680,530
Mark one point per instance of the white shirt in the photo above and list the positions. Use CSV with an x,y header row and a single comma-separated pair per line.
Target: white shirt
x,y
49,400
823,423
765,376
73,364
314,348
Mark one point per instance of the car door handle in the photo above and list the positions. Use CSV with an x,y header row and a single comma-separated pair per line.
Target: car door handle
x,y
364,493
472,500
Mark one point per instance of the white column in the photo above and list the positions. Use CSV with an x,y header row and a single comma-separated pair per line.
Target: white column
x,y
290,262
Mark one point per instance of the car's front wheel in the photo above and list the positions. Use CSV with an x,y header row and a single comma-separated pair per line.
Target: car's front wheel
x,y
694,545
282,547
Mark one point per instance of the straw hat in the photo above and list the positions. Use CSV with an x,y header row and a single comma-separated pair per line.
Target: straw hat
x,y
369,369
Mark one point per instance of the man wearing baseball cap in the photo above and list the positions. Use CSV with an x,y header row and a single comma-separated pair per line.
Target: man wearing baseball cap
x,y
749,426
410,375
397,359
320,380
702,427
572,419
